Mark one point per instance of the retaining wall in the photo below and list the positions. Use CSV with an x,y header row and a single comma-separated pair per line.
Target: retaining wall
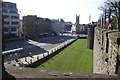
x,y
26,61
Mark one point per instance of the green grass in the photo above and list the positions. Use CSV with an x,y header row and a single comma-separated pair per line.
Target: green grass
x,y
75,58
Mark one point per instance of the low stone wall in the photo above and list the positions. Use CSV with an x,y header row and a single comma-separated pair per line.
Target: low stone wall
x,y
106,58
34,58
21,73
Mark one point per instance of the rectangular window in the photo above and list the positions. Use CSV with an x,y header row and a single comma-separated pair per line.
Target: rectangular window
x,y
6,22
5,29
12,11
15,23
13,29
14,17
5,17
5,10
12,5
4,5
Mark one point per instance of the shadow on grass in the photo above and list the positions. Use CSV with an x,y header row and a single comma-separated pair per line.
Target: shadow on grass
x,y
82,37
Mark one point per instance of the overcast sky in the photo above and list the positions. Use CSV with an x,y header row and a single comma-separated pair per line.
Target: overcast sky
x,y
65,9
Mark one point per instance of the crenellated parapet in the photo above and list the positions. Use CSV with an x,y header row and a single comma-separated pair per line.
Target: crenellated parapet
x,y
106,59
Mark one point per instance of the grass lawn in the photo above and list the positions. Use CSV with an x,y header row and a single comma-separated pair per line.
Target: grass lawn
x,y
75,58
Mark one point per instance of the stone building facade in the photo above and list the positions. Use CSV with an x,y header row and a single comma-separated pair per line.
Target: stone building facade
x,y
36,27
60,26
106,59
68,26
57,26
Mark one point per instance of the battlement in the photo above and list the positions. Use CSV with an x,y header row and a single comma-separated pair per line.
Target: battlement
x,y
106,59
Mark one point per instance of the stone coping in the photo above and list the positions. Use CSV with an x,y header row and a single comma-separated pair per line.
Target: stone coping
x,y
103,31
98,28
112,34
115,37
23,72
109,32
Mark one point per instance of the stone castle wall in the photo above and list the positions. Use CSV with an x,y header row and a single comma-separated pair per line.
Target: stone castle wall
x,y
106,58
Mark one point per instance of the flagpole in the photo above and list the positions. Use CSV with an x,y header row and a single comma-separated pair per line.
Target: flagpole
x,y
109,15
105,18
89,18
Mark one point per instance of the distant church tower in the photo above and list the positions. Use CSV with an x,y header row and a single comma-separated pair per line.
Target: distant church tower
x,y
77,24
77,19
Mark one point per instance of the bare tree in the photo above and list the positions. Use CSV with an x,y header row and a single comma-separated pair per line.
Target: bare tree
x,y
114,5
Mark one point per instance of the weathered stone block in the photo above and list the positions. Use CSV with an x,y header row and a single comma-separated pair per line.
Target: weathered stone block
x,y
106,40
115,37
98,33
119,53
102,35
